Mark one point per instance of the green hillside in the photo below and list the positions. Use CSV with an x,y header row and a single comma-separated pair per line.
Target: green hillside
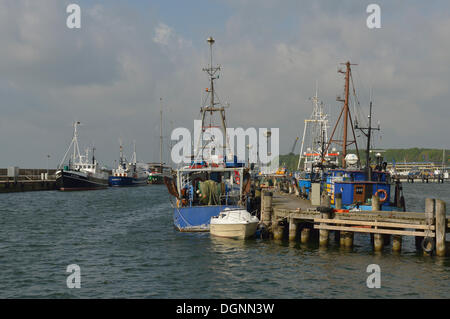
x,y
398,154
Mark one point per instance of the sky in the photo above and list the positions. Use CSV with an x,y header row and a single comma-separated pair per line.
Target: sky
x,y
111,73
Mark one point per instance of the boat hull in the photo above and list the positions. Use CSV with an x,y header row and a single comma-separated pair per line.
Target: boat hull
x,y
235,231
158,179
118,181
196,218
75,181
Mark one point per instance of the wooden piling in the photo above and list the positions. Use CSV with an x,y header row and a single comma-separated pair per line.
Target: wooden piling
x,y
266,208
396,243
338,236
440,227
348,239
304,235
375,203
429,216
378,240
323,233
292,229
278,232
342,238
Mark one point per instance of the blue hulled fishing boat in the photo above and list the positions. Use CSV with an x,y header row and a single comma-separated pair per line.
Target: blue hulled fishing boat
x,y
128,173
211,182
353,183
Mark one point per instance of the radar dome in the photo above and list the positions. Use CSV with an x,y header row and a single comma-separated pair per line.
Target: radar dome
x,y
351,159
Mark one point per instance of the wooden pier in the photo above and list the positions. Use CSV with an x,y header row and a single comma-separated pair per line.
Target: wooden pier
x,y
287,215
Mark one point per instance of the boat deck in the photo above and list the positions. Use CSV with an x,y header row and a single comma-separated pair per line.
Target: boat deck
x,y
292,202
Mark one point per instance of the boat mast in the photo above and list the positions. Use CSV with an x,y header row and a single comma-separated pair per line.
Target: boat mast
x,y
76,148
347,118
134,159
346,111
74,142
121,152
318,117
368,135
93,155
211,108
160,134
443,159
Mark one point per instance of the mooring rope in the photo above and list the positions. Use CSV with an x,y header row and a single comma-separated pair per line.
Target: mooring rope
x,y
179,213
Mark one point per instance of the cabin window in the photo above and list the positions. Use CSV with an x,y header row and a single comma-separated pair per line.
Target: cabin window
x,y
359,190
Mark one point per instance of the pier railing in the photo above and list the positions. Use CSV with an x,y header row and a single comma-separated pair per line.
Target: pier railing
x,y
29,174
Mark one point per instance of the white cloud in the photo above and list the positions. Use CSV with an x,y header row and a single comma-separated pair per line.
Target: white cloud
x,y
163,34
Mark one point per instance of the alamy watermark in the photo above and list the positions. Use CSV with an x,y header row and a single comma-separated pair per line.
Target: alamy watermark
x,y
374,19
74,19
74,279
374,279
251,145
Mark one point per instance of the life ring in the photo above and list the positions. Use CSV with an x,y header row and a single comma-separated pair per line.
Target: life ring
x,y
236,177
382,200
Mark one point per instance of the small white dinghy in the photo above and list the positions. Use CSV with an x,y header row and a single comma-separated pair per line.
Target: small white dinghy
x,y
234,223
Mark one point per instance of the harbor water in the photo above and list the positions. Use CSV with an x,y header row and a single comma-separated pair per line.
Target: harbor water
x,y
124,242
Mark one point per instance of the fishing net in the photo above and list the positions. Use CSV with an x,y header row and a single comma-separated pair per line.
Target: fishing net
x,y
210,192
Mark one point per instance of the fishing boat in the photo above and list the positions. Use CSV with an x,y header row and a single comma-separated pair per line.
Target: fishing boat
x,y
211,182
312,150
234,223
157,171
128,173
82,172
351,181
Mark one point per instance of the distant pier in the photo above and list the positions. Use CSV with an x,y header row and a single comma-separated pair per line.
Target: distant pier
x,y
289,217
14,179
424,179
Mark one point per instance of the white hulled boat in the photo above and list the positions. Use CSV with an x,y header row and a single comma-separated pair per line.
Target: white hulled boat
x,y
234,223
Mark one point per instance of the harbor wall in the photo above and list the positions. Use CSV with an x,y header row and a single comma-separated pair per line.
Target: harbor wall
x,y
27,179
27,186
